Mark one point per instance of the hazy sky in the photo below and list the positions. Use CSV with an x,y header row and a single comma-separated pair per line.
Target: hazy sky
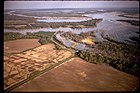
x,y
67,4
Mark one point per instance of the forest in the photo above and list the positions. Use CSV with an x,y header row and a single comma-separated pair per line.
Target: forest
x,y
123,57
44,37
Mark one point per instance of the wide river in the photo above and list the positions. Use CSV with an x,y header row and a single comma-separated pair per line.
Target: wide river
x,y
120,31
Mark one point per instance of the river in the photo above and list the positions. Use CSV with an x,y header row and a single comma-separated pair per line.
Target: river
x,y
120,31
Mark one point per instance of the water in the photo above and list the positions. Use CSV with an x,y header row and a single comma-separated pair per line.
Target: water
x,y
61,20
117,30
77,31
70,43
111,16
51,19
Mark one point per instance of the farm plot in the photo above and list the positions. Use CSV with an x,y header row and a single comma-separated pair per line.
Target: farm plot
x,y
77,75
20,45
18,67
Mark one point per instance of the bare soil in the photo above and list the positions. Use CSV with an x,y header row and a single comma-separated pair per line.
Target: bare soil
x,y
19,66
20,45
78,75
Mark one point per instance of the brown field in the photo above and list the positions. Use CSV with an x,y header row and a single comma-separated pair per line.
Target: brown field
x,y
20,45
77,75
18,67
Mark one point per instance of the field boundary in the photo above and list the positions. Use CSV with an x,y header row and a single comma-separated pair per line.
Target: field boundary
x,y
38,73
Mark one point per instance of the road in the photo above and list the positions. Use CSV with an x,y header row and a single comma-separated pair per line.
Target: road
x,y
62,46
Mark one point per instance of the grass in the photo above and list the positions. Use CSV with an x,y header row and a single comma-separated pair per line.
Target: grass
x,y
88,40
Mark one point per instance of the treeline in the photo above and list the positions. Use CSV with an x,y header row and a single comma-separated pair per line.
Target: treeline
x,y
44,37
78,37
34,24
122,56
124,52
119,50
88,23
128,16
15,35
126,66
136,39
73,36
15,17
132,22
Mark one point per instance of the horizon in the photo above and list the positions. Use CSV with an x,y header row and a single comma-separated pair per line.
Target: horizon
x,y
71,8
9,5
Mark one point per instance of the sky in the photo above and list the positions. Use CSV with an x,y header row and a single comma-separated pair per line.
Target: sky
x,y
67,4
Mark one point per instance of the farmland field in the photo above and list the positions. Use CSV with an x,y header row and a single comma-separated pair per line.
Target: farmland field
x,y
75,75
20,45
83,49
21,66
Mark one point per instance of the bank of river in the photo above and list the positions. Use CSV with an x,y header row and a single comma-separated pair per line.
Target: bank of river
x,y
78,31
119,31
72,44
109,26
